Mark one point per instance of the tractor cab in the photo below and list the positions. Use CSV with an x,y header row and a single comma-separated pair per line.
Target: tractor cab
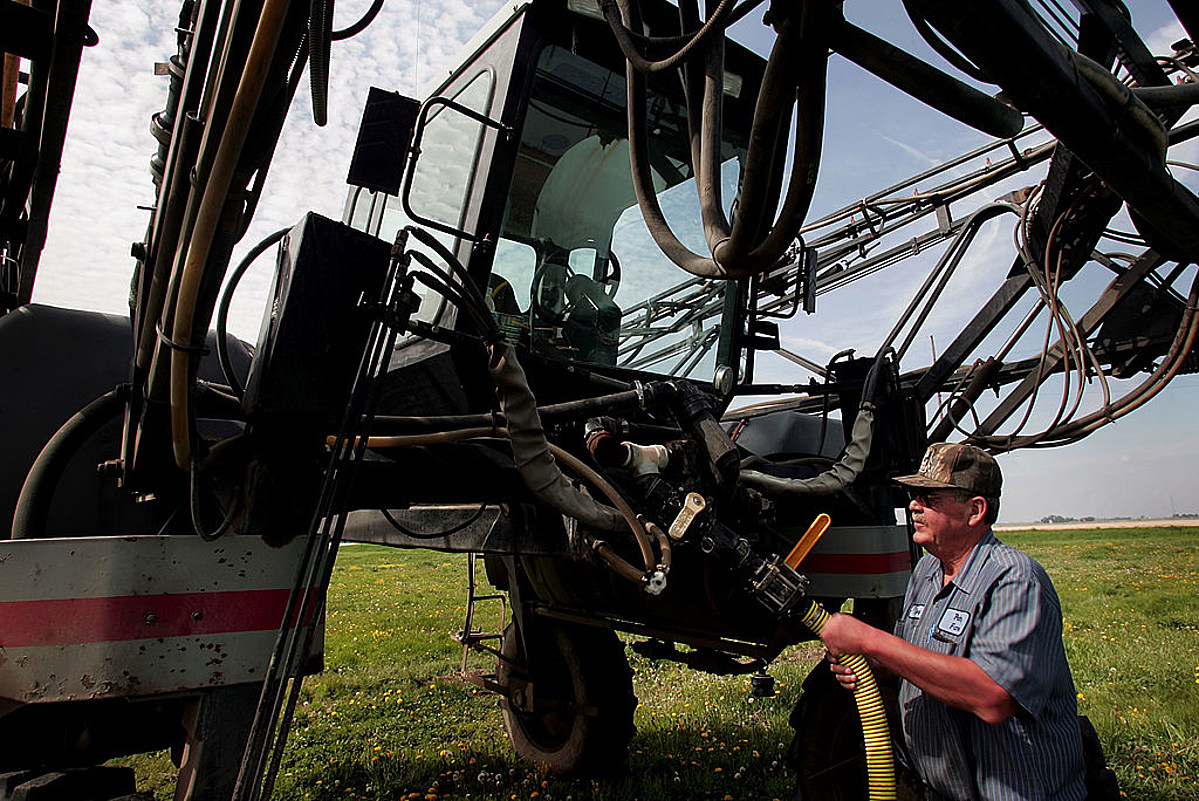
x,y
520,162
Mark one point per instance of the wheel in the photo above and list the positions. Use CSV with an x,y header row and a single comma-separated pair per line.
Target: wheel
x,y
828,752
569,702
99,783
548,293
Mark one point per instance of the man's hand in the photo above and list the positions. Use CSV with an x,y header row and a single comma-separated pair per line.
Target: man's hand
x,y
845,634
846,677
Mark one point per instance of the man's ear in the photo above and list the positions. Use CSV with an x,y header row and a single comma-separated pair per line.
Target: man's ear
x,y
978,510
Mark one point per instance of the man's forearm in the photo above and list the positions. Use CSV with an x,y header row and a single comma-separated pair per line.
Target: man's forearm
x,y
953,680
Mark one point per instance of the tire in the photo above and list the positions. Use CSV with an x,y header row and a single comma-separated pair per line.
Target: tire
x,y
569,708
828,752
100,783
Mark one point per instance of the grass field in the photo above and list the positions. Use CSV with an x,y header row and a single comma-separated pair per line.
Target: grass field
x,y
386,720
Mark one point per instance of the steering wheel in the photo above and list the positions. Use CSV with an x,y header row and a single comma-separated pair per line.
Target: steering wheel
x,y
611,276
548,291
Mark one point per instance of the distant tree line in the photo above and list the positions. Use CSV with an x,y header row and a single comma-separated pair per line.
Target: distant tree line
x,y
1091,519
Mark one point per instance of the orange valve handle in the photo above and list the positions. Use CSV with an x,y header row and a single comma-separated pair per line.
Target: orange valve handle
x,y
808,540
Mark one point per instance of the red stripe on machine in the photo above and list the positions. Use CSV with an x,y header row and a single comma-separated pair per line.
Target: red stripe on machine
x,y
139,617
856,563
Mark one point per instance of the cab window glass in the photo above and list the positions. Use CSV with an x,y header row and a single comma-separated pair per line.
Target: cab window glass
x,y
590,284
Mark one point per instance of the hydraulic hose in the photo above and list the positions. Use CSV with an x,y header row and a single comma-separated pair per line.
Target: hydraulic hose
x,y
530,448
836,478
716,24
802,61
1132,106
847,468
168,217
33,504
942,47
643,186
1181,94
359,26
222,315
1184,340
880,763
262,51
194,508
320,32
618,565
577,505
795,73
629,399
757,205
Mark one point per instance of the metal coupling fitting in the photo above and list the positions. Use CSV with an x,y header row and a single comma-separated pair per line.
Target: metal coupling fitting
x,y
655,582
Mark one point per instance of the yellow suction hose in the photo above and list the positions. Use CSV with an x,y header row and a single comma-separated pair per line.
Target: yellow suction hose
x,y
880,764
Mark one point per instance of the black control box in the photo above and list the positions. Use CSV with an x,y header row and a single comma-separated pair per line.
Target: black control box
x,y
316,326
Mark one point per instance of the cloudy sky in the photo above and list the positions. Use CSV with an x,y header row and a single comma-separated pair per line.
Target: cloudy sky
x,y
1144,465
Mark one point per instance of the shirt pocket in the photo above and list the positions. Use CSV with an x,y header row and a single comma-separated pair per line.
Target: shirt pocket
x,y
947,629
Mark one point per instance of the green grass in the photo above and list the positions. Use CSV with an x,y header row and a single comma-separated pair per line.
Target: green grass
x,y
1131,606
387,719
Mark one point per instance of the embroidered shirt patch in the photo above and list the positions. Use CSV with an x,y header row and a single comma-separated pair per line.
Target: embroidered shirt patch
x,y
954,621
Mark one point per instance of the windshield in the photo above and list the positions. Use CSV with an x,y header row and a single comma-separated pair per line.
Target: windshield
x,y
576,273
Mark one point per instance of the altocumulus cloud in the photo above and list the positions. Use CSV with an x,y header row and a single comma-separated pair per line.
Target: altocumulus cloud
x,y
105,174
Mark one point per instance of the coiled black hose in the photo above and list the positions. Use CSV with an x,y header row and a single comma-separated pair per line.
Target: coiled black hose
x,y
222,314
33,505
359,26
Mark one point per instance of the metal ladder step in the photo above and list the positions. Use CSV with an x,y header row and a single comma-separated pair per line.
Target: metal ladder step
x,y
471,638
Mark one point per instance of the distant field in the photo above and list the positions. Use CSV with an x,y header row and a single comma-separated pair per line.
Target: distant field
x,y
1166,522
384,721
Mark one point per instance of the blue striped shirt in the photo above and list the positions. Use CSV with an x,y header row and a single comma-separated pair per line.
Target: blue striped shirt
x,y
1002,613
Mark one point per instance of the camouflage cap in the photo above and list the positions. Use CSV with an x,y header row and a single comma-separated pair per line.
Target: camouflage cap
x,y
953,465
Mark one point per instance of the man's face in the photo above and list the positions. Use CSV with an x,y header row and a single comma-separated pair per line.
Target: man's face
x,y
941,518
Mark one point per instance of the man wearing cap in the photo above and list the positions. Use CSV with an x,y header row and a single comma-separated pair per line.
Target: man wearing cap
x,y
987,704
